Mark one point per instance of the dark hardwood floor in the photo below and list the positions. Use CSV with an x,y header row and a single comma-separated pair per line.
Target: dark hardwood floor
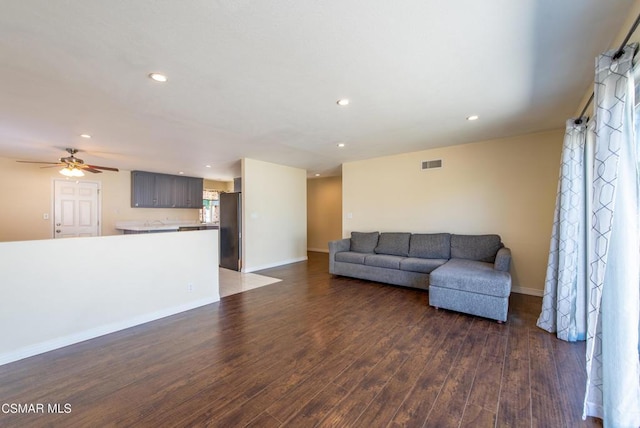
x,y
312,350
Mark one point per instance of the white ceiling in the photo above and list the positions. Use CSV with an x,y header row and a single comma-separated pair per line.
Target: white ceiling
x,y
260,79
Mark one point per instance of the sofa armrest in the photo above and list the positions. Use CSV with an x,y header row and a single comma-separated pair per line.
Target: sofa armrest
x,y
503,260
336,247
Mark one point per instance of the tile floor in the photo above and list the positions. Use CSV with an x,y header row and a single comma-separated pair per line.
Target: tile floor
x,y
232,282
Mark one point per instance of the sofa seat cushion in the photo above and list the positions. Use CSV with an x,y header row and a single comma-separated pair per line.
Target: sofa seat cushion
x,y
482,248
350,257
383,261
430,245
472,276
413,264
364,242
393,244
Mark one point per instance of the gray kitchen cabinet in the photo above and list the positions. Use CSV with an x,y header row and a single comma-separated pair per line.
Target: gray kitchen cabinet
x,y
165,191
142,189
196,186
153,190
181,191
188,192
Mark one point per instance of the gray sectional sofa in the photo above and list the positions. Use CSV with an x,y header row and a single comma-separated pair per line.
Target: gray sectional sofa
x,y
464,273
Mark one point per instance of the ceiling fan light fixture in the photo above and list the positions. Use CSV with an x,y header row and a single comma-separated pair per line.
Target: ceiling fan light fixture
x,y
71,172
343,102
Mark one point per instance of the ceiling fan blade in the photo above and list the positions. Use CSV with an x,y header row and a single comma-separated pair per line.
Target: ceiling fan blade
x,y
57,165
106,168
87,168
48,163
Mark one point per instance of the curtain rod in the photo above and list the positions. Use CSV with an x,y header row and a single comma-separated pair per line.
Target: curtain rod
x,y
617,55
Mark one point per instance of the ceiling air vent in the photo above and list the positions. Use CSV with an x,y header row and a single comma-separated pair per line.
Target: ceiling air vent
x,y
432,164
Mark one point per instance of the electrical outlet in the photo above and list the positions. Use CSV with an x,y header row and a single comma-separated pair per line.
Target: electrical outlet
x,y
45,216
190,287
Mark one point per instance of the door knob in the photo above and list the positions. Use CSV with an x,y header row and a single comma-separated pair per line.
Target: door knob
x,y
58,231
58,224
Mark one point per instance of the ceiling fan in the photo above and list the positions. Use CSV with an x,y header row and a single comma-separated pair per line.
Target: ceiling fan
x,y
73,166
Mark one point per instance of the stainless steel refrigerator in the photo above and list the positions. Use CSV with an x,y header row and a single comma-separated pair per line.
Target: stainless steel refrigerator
x,y
230,231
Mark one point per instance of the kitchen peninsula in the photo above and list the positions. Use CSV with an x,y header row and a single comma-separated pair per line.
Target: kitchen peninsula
x,y
155,226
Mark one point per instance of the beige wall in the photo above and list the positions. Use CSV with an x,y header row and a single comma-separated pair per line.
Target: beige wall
x,y
274,229
226,186
324,212
504,186
27,193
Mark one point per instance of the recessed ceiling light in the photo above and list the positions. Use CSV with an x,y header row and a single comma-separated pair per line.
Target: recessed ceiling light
x,y
343,102
158,77
341,145
181,172
317,175
207,166
85,136
473,117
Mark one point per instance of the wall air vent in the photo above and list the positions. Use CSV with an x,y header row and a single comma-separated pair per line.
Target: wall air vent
x,y
431,164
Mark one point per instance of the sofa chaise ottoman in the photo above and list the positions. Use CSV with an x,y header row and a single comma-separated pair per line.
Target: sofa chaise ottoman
x,y
464,273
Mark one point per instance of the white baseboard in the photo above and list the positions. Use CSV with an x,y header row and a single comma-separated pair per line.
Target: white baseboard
x,y
318,250
60,342
529,291
272,265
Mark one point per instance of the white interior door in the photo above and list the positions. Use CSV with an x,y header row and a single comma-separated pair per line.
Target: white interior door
x,y
76,208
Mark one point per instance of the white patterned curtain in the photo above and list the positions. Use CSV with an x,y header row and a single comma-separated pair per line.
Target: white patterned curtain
x,y
613,368
564,290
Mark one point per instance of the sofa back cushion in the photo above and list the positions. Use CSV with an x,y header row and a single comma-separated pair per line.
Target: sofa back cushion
x,y
393,244
482,248
364,242
430,245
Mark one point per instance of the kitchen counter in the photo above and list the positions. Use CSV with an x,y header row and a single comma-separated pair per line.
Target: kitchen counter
x,y
130,227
